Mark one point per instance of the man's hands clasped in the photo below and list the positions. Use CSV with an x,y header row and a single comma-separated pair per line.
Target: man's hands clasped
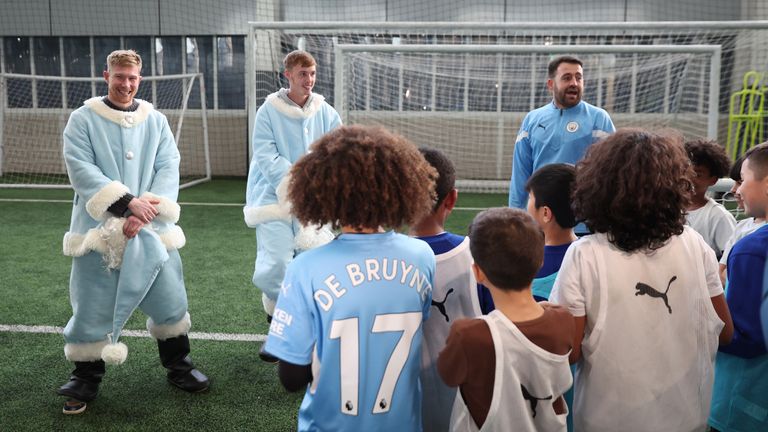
x,y
143,211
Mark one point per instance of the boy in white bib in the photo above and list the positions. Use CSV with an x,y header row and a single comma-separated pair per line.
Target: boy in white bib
x,y
511,366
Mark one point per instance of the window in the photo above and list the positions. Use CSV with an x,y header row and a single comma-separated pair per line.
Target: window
x,y
16,57
77,63
231,71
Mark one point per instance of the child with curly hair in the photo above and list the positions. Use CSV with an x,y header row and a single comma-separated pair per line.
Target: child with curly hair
x,y
347,326
644,289
705,215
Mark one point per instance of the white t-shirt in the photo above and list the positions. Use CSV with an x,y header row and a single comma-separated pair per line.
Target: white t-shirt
x,y
651,333
714,222
743,228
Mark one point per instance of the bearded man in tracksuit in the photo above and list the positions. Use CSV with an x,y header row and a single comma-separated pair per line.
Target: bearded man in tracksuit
x,y
559,132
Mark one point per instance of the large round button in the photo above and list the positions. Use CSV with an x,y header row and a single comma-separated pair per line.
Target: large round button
x,y
129,119
129,155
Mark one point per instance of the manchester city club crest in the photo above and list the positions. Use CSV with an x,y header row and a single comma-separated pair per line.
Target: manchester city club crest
x,y
572,126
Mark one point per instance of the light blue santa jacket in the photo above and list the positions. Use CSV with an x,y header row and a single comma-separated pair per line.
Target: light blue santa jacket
x,y
109,153
282,134
553,135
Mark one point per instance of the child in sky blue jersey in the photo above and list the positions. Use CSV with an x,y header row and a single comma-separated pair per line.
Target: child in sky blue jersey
x,y
347,326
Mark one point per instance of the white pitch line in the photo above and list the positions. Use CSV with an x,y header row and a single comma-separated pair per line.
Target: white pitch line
x,y
34,200
186,203
239,337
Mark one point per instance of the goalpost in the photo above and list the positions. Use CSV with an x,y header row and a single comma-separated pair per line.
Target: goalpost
x,y
471,104
397,86
34,110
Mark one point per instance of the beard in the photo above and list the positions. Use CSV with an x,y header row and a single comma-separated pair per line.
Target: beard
x,y
568,97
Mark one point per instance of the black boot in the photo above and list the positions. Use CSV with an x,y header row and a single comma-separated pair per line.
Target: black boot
x,y
263,355
83,384
181,372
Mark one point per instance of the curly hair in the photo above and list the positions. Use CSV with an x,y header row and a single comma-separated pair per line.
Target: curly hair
x,y
709,154
508,245
634,186
446,173
362,177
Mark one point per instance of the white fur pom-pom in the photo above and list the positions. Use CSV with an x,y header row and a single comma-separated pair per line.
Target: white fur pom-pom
x,y
311,236
114,353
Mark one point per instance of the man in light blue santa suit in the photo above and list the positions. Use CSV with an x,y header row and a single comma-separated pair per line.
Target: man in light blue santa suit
x,y
123,164
286,124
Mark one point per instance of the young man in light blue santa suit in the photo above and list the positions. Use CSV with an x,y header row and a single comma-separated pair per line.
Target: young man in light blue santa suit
x,y
123,164
286,124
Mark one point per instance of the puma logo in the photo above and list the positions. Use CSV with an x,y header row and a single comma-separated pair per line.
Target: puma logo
x,y
441,305
533,399
651,292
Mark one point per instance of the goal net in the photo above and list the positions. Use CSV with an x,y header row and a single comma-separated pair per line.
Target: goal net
x,y
34,111
470,102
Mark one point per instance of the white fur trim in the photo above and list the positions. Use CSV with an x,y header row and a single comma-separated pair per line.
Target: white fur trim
x,y
294,111
126,119
99,203
268,304
167,331
90,351
107,239
312,236
168,211
266,213
114,353
271,212
111,241
174,238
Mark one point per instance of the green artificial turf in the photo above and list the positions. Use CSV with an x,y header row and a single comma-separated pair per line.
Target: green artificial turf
x,y
218,263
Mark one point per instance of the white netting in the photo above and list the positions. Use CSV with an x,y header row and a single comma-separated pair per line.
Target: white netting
x,y
34,111
452,98
471,105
